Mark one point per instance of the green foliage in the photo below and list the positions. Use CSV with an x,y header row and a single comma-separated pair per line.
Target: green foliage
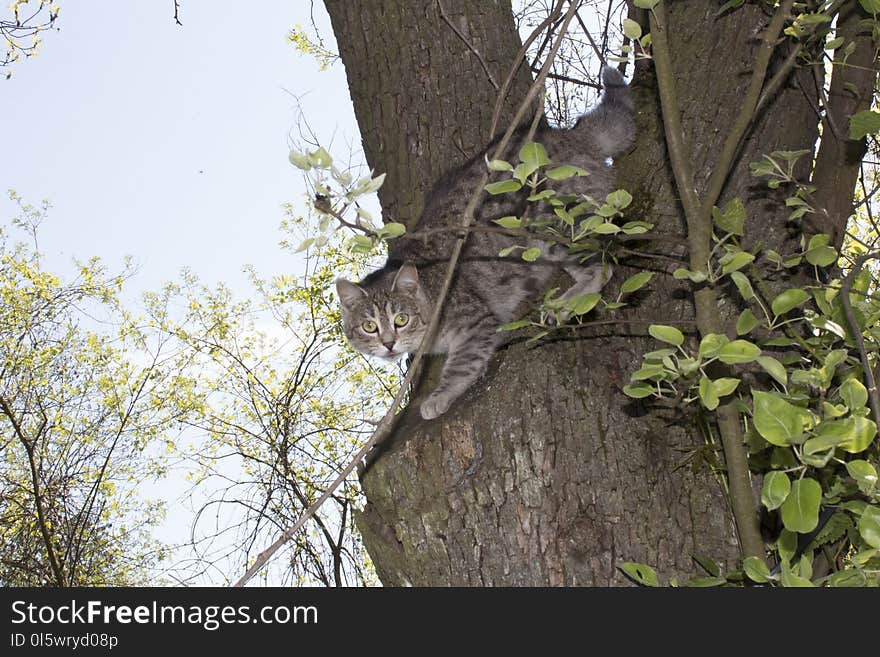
x,y
80,418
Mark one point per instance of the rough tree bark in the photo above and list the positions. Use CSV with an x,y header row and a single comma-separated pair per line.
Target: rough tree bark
x,y
545,473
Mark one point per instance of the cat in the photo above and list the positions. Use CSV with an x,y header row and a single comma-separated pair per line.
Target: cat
x,y
387,313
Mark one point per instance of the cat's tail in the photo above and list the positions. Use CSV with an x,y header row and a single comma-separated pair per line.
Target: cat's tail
x,y
610,126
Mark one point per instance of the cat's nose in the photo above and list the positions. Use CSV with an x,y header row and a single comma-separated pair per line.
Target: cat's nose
x,y
389,345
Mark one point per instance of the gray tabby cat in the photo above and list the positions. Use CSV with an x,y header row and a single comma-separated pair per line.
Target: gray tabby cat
x,y
388,312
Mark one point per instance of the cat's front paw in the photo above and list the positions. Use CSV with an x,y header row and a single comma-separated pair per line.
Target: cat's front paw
x,y
434,406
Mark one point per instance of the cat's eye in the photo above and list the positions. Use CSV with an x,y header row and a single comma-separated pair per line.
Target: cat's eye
x,y
401,319
370,326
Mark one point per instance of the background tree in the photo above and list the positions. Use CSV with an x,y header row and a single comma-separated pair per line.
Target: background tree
x,y
545,473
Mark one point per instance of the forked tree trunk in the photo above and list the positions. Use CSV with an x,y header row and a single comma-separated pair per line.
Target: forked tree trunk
x,y
545,473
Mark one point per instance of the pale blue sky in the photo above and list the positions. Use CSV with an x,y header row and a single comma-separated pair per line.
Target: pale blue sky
x,y
122,109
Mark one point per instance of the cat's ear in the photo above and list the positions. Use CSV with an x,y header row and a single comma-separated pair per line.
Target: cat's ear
x,y
406,279
349,293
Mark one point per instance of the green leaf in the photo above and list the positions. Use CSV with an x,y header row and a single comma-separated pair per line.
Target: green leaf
x,y
372,185
512,326
736,261
777,421
299,160
524,170
871,6
731,218
646,4
509,222
819,252
639,572
775,369
320,158
392,230
800,511
863,433
743,285
499,165
534,153
694,276
606,229
864,123
869,526
305,244
853,393
667,334
708,396
712,343
530,255
788,300
756,570
639,390
584,303
619,199
864,473
731,4
705,582
776,488
503,186
738,351
725,386
636,282
632,29
565,171
746,322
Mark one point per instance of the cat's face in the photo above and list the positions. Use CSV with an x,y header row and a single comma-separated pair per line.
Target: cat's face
x,y
387,317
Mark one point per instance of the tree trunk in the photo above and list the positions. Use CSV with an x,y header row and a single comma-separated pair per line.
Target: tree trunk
x,y
545,473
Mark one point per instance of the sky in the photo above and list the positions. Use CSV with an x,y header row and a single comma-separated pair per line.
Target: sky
x,y
168,143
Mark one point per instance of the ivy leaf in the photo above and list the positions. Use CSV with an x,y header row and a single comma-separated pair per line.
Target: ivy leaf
x,y
776,488
788,300
639,572
667,334
800,511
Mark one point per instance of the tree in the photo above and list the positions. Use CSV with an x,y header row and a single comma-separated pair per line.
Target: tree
x,y
546,473
78,418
